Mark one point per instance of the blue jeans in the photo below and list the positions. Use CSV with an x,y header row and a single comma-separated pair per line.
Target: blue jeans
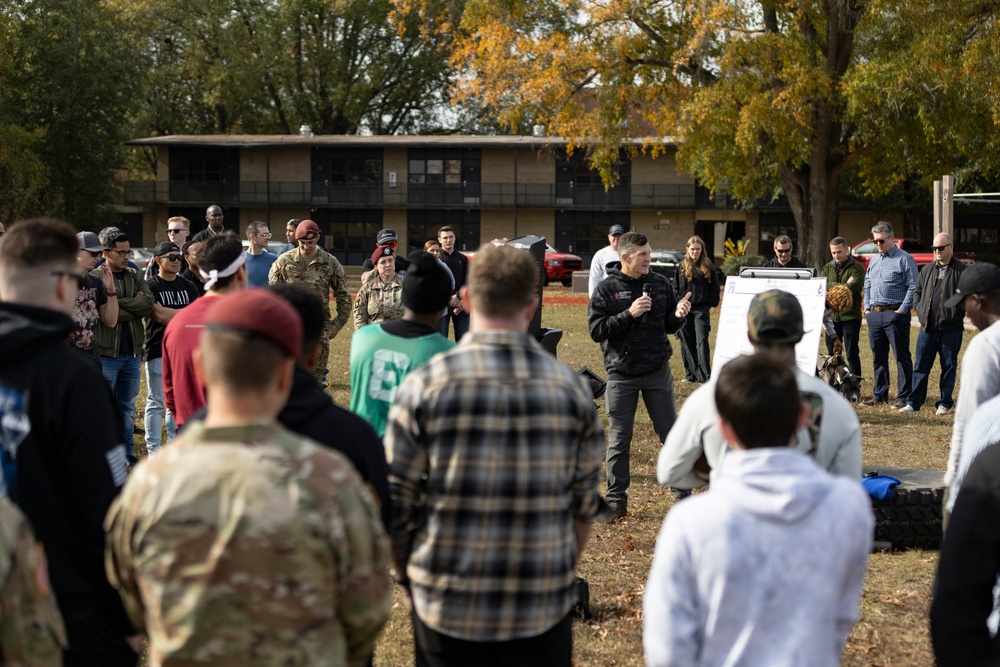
x,y
155,407
461,321
122,373
849,333
929,345
621,399
693,335
887,329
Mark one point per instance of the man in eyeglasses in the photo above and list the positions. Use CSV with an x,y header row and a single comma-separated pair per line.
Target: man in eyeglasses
x,y
259,260
97,299
60,446
121,345
890,285
170,292
783,257
385,237
940,327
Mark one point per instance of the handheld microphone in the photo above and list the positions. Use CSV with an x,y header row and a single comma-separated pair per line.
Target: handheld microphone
x,y
647,290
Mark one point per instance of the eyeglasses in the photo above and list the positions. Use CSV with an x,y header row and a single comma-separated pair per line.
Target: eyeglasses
x,y
175,230
881,241
122,253
391,244
782,251
69,274
937,248
94,253
173,257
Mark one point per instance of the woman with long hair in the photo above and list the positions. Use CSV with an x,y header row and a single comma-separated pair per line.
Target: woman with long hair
x,y
697,275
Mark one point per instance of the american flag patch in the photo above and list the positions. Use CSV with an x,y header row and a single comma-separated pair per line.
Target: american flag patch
x,y
117,463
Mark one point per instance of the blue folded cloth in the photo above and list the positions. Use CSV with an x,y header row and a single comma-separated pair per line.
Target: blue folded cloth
x,y
879,487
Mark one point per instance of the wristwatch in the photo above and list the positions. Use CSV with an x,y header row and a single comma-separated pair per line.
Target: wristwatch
x,y
112,293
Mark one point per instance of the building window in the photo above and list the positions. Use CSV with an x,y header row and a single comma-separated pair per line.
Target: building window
x,y
583,233
578,183
204,174
349,234
444,176
347,175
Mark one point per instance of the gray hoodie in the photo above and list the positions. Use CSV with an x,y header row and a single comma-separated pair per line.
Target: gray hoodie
x,y
766,568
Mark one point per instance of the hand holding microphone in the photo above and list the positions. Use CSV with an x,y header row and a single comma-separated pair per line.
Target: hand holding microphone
x,y
647,291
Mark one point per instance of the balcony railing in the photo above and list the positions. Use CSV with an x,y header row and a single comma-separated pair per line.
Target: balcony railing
x,y
408,195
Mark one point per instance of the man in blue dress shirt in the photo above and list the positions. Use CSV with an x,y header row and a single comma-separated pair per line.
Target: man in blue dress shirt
x,y
890,284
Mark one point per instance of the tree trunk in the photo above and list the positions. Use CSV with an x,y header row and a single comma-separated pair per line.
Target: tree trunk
x,y
814,197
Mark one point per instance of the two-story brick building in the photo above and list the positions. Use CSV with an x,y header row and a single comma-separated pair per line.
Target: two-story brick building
x,y
483,186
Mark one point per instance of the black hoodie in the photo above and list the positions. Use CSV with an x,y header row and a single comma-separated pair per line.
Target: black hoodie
x,y
63,457
312,413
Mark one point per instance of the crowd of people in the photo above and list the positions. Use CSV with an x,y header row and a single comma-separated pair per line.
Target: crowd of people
x,y
266,525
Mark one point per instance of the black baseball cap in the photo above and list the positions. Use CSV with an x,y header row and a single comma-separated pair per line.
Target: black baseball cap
x,y
165,248
978,278
616,229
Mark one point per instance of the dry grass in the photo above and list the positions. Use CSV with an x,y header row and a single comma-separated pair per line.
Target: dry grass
x,y
893,626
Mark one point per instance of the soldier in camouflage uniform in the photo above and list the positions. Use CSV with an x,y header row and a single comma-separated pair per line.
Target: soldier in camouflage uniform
x,y
380,298
242,543
31,629
831,435
320,271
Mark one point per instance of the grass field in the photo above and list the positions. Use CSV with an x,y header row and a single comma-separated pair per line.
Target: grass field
x,y
893,628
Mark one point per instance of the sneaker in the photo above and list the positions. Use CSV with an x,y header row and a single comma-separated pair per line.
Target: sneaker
x,y
942,410
874,401
906,409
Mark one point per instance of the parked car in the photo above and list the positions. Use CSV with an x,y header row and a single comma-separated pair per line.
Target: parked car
x,y
558,265
561,265
667,263
864,251
141,257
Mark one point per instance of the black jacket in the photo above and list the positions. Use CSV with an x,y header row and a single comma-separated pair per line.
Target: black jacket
x,y
945,319
793,263
312,413
62,451
704,293
632,347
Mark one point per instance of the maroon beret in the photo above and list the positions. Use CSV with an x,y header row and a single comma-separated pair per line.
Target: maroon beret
x,y
307,229
259,312
380,252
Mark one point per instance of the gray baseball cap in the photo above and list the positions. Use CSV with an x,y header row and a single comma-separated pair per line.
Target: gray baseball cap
x,y
88,241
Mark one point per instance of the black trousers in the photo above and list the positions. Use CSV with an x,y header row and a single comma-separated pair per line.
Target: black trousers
x,y
553,648
94,641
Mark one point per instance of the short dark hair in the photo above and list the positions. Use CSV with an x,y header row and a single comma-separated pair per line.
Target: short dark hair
x,y
217,253
630,240
38,242
309,305
783,239
114,238
446,228
758,396
838,240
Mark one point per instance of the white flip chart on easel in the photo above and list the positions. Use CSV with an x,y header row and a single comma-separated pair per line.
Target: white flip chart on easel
x,y
732,340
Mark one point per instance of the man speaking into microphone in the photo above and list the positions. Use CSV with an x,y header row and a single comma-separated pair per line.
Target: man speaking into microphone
x,y
630,314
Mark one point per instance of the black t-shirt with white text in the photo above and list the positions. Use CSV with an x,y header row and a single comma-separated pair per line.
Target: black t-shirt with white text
x,y
176,293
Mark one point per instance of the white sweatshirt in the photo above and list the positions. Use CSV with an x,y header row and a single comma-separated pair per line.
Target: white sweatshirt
x,y
765,568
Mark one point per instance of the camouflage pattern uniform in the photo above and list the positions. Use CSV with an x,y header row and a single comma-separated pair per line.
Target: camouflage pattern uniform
x,y
250,545
378,301
321,273
31,629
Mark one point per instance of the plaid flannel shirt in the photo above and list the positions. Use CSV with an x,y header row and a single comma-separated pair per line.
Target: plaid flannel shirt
x,y
495,448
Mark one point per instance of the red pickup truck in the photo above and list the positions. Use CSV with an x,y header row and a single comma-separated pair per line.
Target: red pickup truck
x,y
863,252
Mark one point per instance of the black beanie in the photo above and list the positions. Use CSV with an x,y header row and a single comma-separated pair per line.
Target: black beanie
x,y
428,284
